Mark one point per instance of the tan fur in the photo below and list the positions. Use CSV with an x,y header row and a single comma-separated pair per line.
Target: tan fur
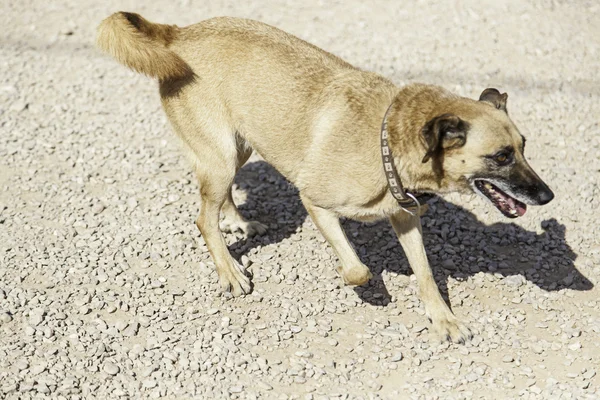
x,y
143,47
317,120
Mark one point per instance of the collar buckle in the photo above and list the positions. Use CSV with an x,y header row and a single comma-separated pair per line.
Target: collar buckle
x,y
415,206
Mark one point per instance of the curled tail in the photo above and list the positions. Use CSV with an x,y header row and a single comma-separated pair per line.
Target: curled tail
x,y
142,45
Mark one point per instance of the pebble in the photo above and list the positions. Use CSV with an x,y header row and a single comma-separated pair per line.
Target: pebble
x,y
111,368
537,349
574,346
264,386
167,326
535,389
38,369
589,374
149,383
21,364
514,280
131,329
5,318
98,208
36,317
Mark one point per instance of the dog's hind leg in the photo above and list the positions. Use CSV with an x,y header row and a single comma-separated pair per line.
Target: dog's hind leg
x,y
215,184
211,146
352,270
445,323
233,220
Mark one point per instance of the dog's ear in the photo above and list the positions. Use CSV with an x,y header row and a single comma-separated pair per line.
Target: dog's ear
x,y
494,97
446,131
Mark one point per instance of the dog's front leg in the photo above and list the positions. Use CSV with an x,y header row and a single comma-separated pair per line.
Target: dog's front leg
x,y
445,324
352,270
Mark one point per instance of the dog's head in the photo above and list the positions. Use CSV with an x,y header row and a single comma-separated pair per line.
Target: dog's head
x,y
477,147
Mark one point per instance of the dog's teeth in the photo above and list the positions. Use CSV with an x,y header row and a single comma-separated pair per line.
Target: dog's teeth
x,y
488,185
513,212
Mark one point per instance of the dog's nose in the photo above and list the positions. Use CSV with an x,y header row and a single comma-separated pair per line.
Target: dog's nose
x,y
545,195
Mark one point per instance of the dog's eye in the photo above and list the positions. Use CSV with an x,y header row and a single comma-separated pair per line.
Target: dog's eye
x,y
502,158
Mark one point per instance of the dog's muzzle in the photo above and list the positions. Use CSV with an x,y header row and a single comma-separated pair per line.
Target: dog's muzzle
x,y
507,204
512,201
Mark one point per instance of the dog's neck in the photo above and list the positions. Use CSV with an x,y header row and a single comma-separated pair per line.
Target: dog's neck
x,y
405,199
411,109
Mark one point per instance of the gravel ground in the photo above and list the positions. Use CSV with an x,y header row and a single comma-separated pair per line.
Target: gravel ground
x,y
107,289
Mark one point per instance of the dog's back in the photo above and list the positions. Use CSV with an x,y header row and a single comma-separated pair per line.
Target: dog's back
x,y
154,49
259,81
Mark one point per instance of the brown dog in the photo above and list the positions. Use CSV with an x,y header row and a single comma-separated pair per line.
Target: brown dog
x,y
230,86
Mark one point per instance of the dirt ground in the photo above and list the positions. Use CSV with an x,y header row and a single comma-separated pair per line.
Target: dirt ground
x,y
107,289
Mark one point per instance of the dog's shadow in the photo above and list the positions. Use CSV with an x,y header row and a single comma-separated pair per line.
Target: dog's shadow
x,y
457,244
271,200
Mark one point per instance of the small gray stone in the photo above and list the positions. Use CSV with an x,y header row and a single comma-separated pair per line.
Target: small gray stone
x,y
21,364
167,326
574,346
514,280
42,388
38,368
111,368
98,208
84,310
589,374
537,348
295,329
132,329
264,386
36,316
236,389
535,389
149,383
5,317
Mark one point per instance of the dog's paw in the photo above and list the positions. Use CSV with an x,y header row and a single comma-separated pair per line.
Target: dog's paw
x,y
255,228
234,280
355,275
248,228
451,330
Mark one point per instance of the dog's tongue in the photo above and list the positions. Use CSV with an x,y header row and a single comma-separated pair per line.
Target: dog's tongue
x,y
515,204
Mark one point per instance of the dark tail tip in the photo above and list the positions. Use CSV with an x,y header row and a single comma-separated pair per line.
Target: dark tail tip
x,y
133,18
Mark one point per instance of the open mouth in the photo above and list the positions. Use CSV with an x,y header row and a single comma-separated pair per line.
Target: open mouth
x,y
508,205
